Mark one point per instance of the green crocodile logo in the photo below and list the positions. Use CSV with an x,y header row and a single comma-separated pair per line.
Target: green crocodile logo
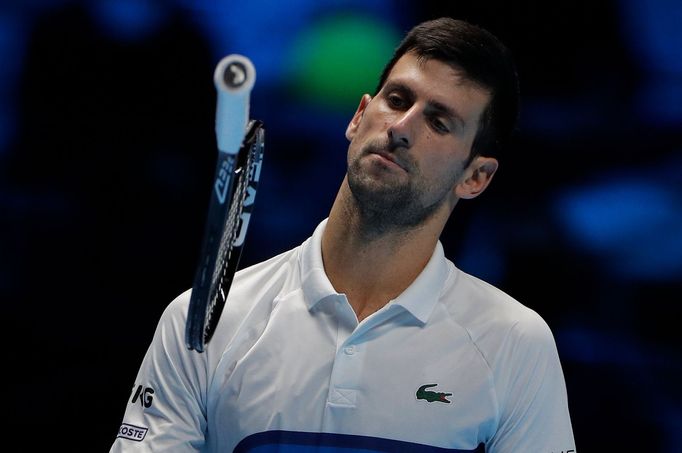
x,y
428,395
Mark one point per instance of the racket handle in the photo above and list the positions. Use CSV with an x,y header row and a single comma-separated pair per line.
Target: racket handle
x,y
233,78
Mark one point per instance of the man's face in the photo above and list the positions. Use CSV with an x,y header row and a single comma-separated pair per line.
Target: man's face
x,y
409,144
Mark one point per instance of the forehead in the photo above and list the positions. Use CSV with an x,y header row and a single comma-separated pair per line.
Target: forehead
x,y
441,83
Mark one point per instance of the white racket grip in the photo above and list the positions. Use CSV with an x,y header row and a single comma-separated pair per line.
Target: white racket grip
x,y
234,78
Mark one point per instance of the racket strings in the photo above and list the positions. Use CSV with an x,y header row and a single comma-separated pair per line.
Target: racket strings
x,y
222,274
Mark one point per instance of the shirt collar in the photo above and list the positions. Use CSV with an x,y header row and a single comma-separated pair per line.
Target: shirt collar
x,y
314,282
419,298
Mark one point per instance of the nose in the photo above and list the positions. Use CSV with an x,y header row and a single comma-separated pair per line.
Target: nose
x,y
400,132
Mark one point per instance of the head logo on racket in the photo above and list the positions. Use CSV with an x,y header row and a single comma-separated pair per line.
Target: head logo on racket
x,y
235,74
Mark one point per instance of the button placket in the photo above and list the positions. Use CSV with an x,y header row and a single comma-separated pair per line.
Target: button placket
x,y
347,368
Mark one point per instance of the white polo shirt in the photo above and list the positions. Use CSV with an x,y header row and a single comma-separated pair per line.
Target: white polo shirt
x,y
451,365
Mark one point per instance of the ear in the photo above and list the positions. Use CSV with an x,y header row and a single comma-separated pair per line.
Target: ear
x,y
476,177
355,122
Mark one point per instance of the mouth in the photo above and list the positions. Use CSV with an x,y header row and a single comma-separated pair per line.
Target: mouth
x,y
388,159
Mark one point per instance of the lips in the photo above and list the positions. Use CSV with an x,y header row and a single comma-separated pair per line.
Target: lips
x,y
390,157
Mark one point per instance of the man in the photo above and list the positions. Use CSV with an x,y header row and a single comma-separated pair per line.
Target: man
x,y
366,337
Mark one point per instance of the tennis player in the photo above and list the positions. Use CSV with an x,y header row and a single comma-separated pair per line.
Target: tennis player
x,y
365,337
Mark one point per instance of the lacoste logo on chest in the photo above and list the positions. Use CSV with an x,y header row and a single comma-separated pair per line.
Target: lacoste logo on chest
x,y
431,396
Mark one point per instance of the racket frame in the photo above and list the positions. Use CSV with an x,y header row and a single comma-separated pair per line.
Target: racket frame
x,y
231,203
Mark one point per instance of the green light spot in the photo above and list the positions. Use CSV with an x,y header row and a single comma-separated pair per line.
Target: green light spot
x,y
340,58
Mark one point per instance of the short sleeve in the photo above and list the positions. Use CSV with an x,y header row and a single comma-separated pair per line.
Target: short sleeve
x,y
534,415
166,410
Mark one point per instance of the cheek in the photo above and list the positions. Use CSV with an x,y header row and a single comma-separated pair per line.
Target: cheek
x,y
365,133
374,120
354,150
444,172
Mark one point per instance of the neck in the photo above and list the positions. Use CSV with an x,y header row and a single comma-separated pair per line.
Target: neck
x,y
370,261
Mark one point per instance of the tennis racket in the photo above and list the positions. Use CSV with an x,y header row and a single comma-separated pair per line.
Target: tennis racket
x,y
240,155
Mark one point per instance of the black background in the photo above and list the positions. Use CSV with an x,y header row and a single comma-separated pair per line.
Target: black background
x,y
105,183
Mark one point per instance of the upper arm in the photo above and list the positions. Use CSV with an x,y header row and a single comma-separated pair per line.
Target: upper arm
x,y
534,414
172,414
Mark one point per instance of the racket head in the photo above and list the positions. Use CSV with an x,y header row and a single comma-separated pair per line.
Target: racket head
x,y
230,208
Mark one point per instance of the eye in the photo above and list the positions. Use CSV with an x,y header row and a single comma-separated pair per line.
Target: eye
x,y
439,126
395,101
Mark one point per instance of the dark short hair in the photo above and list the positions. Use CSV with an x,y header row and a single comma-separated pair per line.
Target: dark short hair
x,y
484,61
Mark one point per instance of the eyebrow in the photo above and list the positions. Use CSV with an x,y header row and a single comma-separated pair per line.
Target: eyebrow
x,y
432,104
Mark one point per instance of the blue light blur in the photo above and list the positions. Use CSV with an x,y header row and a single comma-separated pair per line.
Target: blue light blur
x,y
633,223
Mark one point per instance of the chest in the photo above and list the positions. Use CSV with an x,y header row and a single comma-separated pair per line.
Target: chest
x,y
386,378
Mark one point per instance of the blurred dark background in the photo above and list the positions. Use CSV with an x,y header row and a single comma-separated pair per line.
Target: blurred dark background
x,y
107,154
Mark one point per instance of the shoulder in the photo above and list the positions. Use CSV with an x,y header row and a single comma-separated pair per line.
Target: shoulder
x,y
476,303
253,280
263,281
250,296
496,322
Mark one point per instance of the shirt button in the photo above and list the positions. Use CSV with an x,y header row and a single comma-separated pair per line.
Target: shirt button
x,y
349,350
